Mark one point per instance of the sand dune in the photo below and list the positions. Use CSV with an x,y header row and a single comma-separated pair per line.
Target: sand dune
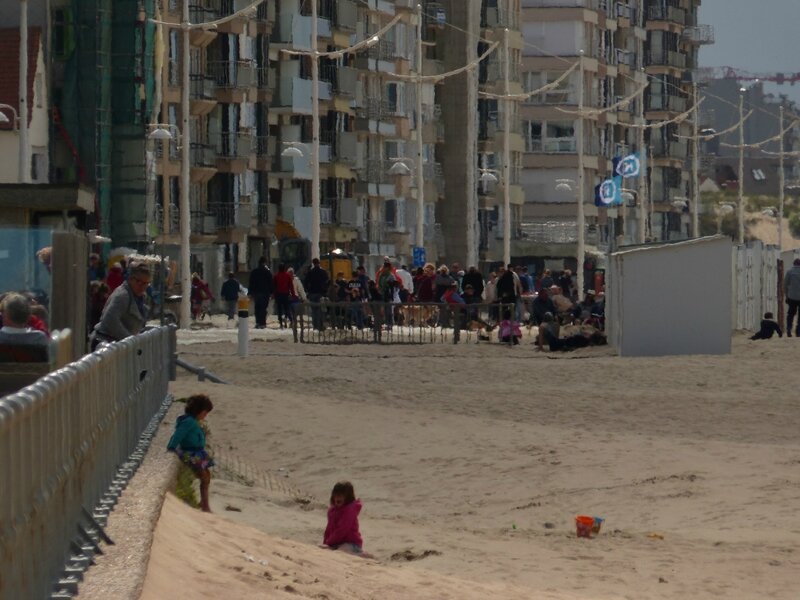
x,y
477,458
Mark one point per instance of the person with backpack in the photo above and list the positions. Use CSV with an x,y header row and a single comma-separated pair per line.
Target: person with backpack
x,y
125,312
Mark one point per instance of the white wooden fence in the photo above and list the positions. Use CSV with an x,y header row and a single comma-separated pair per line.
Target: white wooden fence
x,y
755,284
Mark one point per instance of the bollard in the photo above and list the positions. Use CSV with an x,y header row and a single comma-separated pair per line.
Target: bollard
x,y
243,307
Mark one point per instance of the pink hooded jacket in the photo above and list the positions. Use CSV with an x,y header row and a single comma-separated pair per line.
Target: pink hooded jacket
x,y
343,525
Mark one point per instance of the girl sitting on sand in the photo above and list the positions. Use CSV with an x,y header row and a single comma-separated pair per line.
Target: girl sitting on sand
x,y
342,530
189,443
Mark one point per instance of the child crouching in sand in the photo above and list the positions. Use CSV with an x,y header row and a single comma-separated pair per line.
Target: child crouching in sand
x,y
342,531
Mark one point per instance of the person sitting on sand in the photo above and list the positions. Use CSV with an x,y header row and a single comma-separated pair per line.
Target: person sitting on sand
x,y
769,327
342,531
189,443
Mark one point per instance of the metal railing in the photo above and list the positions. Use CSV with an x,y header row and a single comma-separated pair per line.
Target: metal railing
x,y
202,86
356,322
234,144
233,74
202,155
64,440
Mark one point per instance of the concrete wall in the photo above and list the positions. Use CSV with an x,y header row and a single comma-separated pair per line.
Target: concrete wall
x,y
671,298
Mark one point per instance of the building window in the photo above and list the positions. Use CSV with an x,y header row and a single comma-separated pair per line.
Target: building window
x,y
564,93
37,167
550,137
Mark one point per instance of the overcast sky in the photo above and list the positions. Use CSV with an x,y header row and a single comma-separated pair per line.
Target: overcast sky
x,y
755,35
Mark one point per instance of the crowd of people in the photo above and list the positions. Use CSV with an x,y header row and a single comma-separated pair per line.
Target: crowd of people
x,y
426,297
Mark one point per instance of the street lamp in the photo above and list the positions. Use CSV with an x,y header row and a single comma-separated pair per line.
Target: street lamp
x,y
164,132
740,207
567,186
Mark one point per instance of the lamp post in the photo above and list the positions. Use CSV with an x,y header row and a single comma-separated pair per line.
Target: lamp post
x,y
506,154
740,199
419,242
161,132
642,173
580,186
315,204
570,185
781,183
24,151
695,165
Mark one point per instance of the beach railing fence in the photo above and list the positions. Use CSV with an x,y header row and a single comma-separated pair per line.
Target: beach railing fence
x,y
68,444
404,323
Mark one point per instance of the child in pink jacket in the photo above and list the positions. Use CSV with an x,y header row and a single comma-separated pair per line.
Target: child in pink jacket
x,y
342,531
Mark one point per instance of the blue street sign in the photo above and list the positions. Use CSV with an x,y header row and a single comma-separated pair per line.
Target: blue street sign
x,y
419,256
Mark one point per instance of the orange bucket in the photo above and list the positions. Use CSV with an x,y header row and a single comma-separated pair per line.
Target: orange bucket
x,y
587,526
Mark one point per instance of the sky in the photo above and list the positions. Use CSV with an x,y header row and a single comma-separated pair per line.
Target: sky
x,y
754,35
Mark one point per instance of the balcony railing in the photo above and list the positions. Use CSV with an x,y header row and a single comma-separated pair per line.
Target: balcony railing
x,y
375,108
552,232
699,34
666,102
228,215
265,76
263,146
202,155
376,231
666,13
624,11
202,11
671,149
202,86
234,144
383,50
233,74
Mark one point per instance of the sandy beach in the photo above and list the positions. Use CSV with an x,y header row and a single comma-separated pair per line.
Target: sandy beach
x,y
472,462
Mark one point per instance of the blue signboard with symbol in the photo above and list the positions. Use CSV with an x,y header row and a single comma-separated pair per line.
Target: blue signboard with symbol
x,y
419,256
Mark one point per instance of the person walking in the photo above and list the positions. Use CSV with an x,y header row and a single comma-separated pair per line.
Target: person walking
x,y
316,284
260,289
284,288
791,290
230,294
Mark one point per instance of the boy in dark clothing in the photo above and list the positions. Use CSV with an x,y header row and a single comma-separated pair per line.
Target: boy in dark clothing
x,y
230,294
769,327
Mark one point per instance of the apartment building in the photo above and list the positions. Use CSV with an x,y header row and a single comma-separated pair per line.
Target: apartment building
x,y
622,42
671,58
497,18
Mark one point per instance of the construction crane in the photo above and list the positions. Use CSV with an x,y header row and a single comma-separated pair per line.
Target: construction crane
x,y
708,73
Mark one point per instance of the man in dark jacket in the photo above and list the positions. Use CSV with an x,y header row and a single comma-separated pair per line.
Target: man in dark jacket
x,y
474,278
791,290
260,289
316,284
230,295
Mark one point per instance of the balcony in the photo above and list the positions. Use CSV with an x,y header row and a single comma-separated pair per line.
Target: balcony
x,y
699,34
202,95
202,223
625,57
294,95
202,11
672,149
624,11
228,215
233,74
343,80
233,79
203,159
346,17
667,13
383,50
664,102
295,31
233,151
226,8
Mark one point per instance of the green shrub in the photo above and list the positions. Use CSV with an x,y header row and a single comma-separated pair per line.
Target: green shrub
x,y
185,487
794,225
